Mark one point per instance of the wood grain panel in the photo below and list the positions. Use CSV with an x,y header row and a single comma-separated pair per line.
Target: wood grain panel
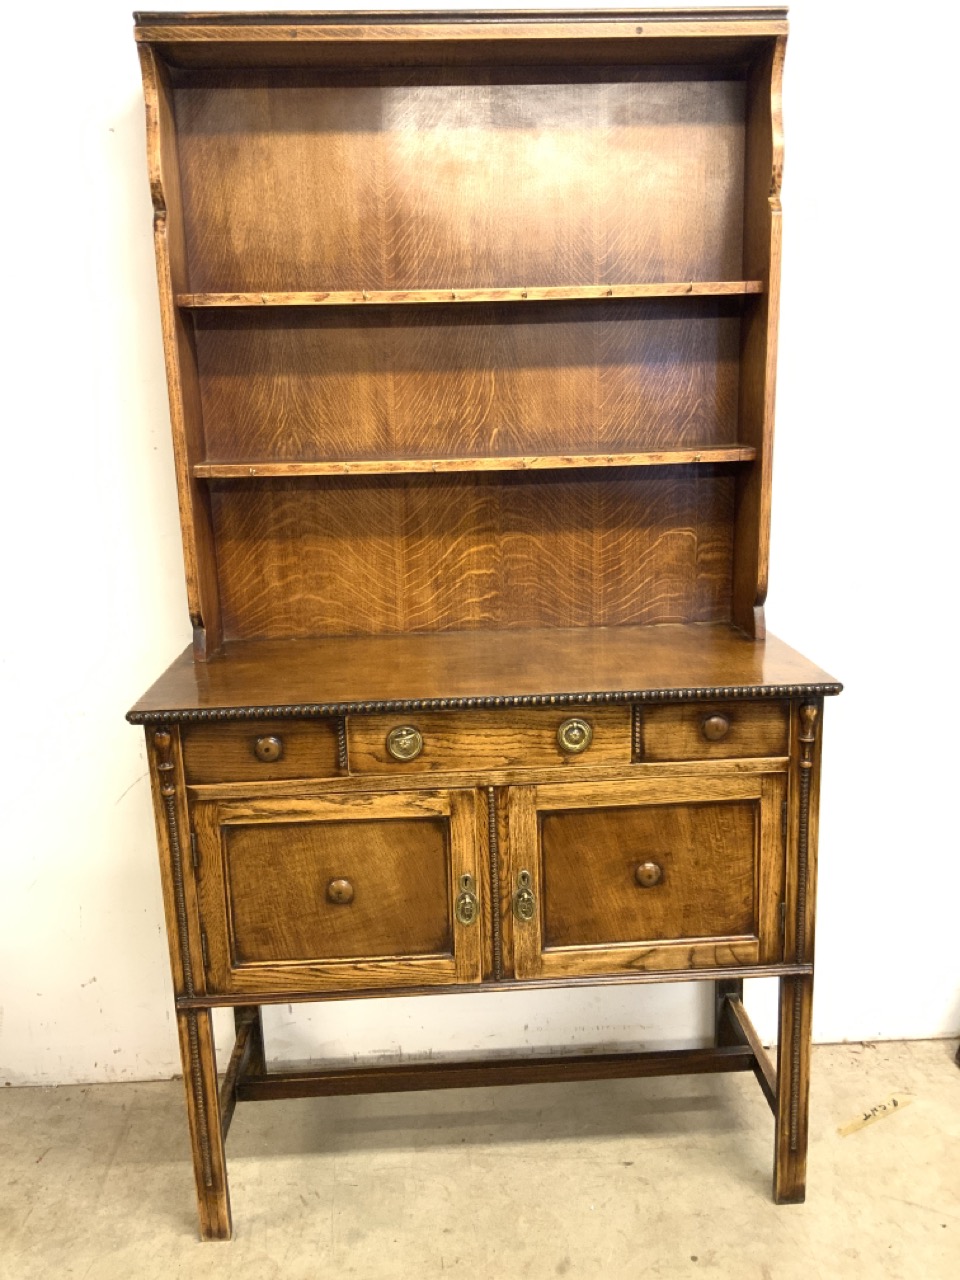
x,y
304,385
277,879
300,180
227,753
488,740
707,853
323,557
676,732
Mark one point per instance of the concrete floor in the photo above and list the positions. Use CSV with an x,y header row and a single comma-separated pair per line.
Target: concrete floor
x,y
648,1178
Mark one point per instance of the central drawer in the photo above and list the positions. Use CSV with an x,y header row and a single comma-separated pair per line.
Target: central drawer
x,y
442,740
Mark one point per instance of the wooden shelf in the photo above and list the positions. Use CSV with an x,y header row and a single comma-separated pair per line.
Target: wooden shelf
x,y
398,466
393,297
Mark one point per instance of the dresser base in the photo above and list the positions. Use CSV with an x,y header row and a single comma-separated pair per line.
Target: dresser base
x,y
737,1047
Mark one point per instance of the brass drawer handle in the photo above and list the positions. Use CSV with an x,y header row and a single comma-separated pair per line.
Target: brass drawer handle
x,y
340,892
715,727
574,736
524,903
648,874
405,742
268,749
467,907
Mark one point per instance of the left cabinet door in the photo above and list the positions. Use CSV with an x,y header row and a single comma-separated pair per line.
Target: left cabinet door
x,y
347,891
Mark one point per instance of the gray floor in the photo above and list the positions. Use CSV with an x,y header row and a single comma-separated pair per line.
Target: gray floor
x,y
650,1178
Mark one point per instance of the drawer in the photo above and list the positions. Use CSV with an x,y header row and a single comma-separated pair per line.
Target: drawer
x,y
341,892
712,730
260,751
650,874
489,740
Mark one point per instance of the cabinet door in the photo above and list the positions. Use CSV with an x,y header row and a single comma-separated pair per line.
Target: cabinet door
x,y
615,877
343,892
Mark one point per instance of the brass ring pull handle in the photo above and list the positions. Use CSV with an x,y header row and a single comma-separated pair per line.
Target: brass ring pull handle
x,y
268,749
715,727
340,892
467,909
524,903
648,874
405,742
574,736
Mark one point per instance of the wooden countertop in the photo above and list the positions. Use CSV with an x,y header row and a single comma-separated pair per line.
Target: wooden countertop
x,y
343,675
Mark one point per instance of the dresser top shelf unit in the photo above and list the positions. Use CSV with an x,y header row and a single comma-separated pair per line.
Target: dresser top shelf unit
x,y
470,318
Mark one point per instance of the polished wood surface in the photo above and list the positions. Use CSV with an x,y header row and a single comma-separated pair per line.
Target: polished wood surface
x,y
580,844
648,872
216,753
523,293
705,454
274,919
712,731
390,181
338,890
363,672
470,325
310,385
483,740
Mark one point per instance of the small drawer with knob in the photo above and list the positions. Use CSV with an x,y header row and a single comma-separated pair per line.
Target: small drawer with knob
x,y
260,751
711,731
437,741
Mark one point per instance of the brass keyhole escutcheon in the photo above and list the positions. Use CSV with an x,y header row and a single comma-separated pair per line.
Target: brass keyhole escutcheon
x,y
715,727
405,742
648,874
340,892
524,903
574,736
467,908
268,749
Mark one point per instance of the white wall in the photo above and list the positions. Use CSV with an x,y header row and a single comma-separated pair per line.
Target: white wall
x,y
863,578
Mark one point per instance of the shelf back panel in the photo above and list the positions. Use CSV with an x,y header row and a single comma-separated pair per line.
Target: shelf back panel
x,y
428,177
314,557
419,382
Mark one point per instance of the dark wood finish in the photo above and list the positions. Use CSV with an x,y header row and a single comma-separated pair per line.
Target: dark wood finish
x,y
214,753
556,666
284,929
470,327
317,995
713,731
309,557
716,839
420,297
705,454
470,1075
484,740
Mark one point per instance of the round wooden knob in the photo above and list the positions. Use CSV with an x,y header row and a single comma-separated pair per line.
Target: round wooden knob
x,y
648,874
715,727
574,736
268,749
340,891
405,742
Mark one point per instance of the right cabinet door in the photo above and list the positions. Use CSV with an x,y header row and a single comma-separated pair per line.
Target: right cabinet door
x,y
648,874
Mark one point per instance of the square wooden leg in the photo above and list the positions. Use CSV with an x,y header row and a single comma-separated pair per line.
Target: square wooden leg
x,y
724,1031
256,1062
199,1059
793,1090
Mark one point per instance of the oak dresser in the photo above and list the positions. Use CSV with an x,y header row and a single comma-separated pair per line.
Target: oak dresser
x,y
470,332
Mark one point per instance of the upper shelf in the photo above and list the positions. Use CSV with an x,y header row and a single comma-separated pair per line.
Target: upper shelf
x,y
394,466
559,293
